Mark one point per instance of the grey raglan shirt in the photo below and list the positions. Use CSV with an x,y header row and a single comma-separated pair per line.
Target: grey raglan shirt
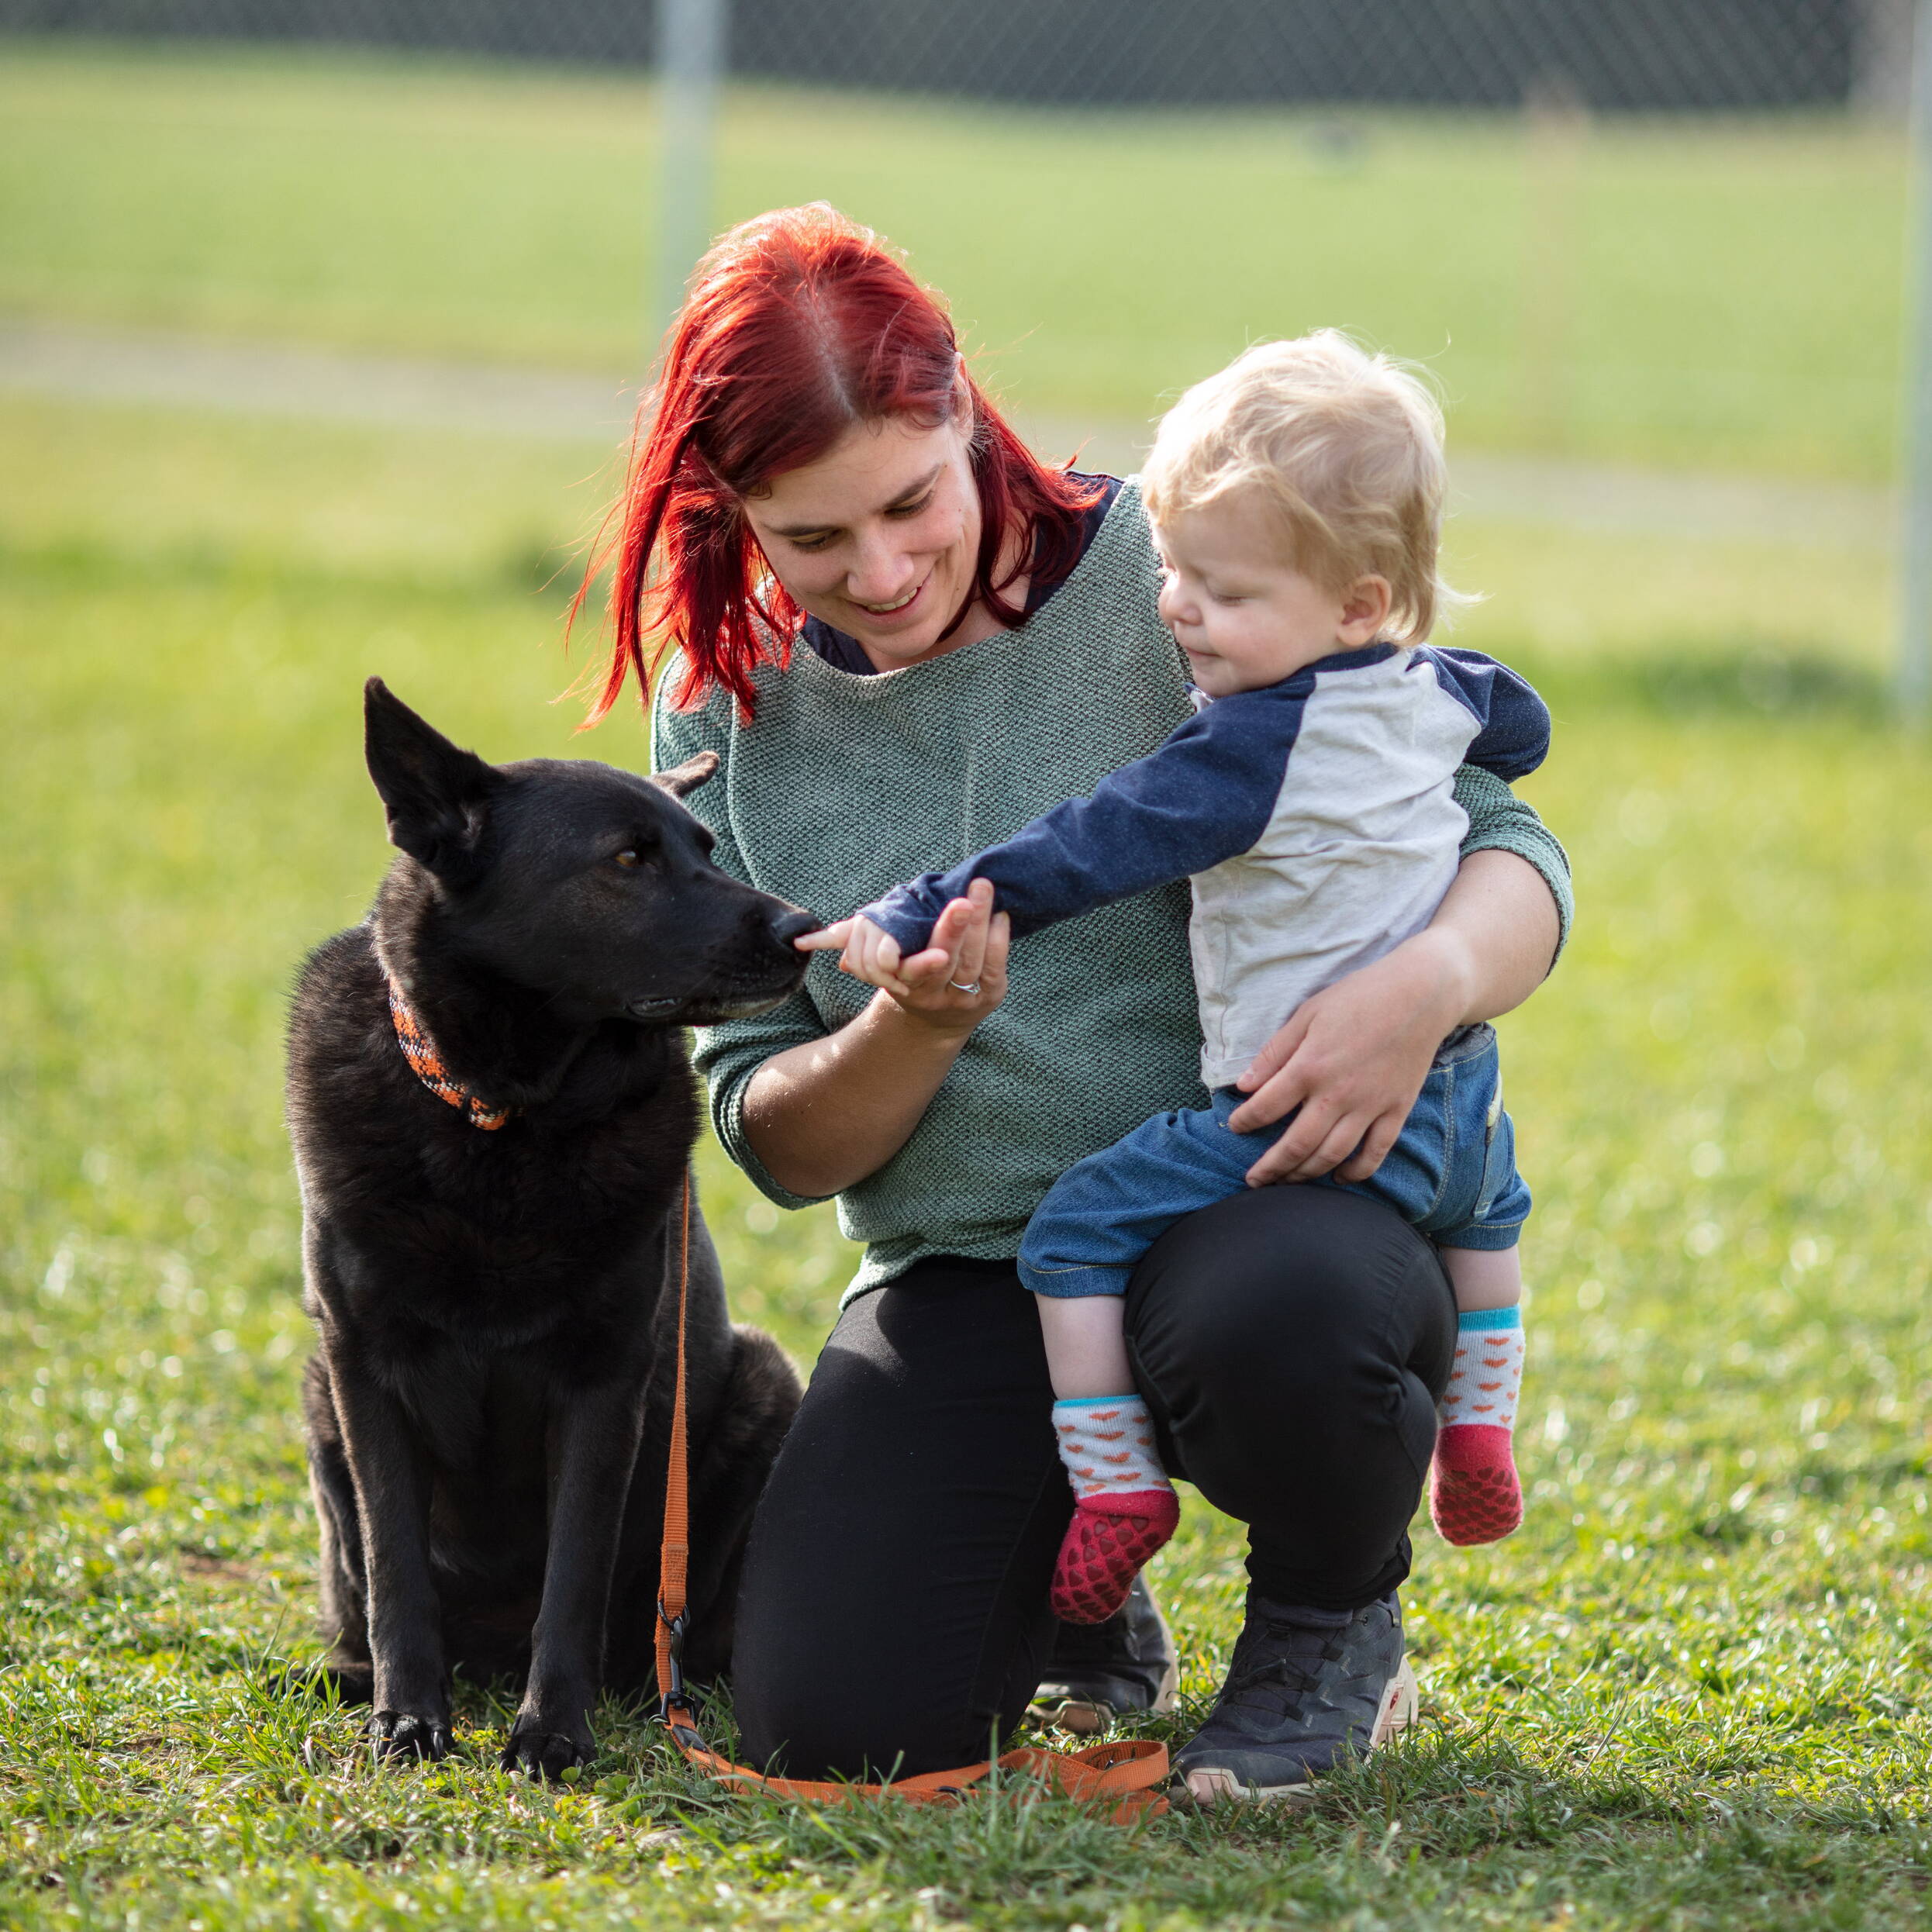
x,y
1316,818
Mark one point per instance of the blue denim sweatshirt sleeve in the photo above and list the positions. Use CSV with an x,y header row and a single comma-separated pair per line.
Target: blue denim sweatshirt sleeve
x,y
1512,723
1202,796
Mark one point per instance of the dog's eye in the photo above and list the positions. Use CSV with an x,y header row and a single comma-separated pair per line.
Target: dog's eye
x,y
629,858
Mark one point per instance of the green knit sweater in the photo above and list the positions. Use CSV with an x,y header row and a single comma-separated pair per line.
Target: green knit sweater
x,y
844,785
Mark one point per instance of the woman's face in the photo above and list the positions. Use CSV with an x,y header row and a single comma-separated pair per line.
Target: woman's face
x,y
878,537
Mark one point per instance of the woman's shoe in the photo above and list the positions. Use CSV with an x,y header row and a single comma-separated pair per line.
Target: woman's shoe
x,y
1099,1672
1306,1690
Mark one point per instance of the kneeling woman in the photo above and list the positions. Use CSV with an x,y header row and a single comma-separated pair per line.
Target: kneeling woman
x,y
905,639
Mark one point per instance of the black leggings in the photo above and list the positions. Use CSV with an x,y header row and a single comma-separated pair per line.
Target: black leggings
x,y
1291,1342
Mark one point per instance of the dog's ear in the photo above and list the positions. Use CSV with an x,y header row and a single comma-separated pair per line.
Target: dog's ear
x,y
688,776
436,795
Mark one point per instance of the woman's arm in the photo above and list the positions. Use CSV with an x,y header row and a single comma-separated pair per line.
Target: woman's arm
x,y
823,1115
1353,1056
808,1120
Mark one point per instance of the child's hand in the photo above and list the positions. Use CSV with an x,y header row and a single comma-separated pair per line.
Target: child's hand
x,y
868,952
954,985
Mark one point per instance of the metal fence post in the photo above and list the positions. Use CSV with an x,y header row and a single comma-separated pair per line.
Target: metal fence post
x,y
1913,670
1555,129
1881,58
690,57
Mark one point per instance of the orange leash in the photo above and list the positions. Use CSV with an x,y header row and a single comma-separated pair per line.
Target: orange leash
x,y
1125,1776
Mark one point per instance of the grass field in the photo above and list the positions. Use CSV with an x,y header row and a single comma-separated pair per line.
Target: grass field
x,y
1687,1696
177,491
1702,294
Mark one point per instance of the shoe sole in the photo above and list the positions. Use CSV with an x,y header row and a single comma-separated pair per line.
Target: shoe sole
x,y
1088,1716
1207,1786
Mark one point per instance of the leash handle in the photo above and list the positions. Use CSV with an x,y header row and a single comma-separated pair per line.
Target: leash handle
x,y
1127,1775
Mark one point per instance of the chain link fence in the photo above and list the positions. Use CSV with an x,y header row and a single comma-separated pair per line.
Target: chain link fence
x,y
1648,233
1637,56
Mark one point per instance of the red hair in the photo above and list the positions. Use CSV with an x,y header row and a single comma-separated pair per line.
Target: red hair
x,y
799,326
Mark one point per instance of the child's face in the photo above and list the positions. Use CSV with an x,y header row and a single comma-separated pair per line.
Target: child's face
x,y
1245,618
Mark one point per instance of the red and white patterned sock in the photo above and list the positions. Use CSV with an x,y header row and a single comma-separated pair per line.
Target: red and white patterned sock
x,y
1475,1494
1124,1506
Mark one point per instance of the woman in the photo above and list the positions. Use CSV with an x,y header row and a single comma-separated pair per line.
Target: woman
x,y
904,639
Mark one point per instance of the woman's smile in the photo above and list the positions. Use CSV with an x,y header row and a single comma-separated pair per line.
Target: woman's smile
x,y
900,606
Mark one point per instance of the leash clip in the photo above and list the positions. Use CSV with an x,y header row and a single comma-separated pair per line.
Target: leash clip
x,y
673,1692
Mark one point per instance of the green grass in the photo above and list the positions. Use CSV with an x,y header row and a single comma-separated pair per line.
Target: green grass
x,y
181,491
1708,294
1687,1694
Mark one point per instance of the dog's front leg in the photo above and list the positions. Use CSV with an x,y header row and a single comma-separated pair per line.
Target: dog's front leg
x,y
411,1717
593,1451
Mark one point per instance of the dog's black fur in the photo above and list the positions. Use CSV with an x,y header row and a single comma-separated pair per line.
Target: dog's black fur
x,y
487,1411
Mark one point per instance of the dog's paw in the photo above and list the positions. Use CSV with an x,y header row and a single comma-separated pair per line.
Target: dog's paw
x,y
546,1754
402,1733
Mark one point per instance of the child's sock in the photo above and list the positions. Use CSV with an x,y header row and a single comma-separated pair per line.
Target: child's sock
x,y
1474,1496
1124,1506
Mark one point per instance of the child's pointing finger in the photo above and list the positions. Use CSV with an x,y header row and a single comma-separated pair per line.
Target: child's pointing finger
x,y
825,937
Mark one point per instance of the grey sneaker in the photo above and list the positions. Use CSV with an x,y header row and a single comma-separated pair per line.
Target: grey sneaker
x,y
1100,1671
1306,1690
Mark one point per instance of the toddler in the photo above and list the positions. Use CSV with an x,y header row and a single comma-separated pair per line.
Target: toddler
x,y
1296,502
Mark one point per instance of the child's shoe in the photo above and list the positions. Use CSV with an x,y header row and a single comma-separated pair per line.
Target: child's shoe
x,y
1124,1506
1474,1496
1108,1541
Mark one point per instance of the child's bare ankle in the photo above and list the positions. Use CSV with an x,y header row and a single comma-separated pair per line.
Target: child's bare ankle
x,y
1483,1277
1086,1345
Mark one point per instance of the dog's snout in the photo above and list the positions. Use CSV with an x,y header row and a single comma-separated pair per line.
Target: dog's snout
x,y
793,924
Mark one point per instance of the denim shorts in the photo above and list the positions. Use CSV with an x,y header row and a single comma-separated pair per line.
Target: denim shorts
x,y
1451,1173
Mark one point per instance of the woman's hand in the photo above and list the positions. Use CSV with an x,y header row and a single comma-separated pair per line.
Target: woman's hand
x,y
1353,1058
953,983
823,1115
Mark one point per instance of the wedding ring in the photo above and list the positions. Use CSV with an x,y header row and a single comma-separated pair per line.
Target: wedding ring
x,y
957,988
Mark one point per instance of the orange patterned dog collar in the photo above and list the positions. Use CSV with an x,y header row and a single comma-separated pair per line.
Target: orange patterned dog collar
x,y
420,1051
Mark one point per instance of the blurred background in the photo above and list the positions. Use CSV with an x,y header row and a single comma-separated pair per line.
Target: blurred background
x,y
321,323
1656,254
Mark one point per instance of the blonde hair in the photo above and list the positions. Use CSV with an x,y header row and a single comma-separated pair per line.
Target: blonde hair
x,y
1345,447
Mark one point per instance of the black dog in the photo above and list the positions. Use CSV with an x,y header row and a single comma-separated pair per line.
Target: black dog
x,y
492,1114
